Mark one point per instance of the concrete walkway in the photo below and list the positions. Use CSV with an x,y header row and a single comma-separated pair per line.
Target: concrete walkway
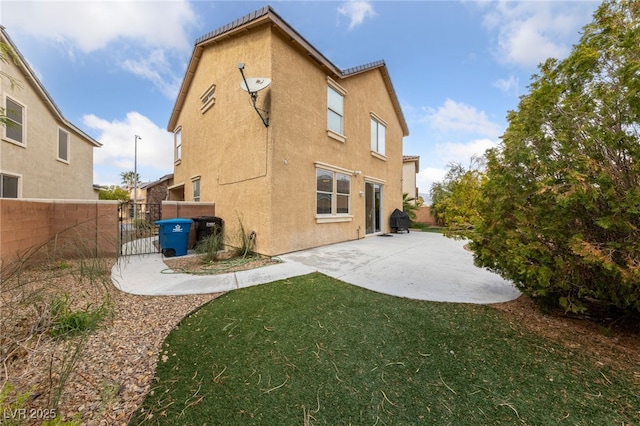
x,y
417,265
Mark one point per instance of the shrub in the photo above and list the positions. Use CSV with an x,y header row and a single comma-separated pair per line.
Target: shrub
x,y
66,322
560,207
210,245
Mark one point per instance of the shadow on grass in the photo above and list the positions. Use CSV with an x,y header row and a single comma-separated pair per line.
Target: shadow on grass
x,y
314,350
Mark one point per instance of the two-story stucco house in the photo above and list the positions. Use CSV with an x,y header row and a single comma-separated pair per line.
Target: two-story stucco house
x,y
42,154
317,159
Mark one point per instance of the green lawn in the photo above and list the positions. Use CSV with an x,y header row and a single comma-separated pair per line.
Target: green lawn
x,y
314,350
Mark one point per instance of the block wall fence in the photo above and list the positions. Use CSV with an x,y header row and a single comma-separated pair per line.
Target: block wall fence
x,y
44,229
41,230
423,215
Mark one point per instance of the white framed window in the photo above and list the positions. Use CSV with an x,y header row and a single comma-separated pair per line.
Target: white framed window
x,y
378,135
335,110
208,98
63,145
15,113
8,186
195,183
177,136
333,193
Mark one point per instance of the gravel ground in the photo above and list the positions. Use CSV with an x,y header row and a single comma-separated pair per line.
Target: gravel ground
x,y
115,365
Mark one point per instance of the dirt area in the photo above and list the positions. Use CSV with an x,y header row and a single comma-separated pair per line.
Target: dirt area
x,y
195,265
115,365
606,341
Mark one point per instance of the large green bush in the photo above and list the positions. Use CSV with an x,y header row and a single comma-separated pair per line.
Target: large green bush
x,y
561,206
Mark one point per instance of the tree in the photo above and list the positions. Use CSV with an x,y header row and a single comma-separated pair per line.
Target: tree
x,y
409,206
454,200
130,178
560,210
113,193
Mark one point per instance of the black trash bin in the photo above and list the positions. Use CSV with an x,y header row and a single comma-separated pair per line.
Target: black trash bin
x,y
206,226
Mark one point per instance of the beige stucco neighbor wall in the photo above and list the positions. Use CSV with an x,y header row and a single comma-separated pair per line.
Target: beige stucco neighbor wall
x,y
48,229
265,178
409,179
35,163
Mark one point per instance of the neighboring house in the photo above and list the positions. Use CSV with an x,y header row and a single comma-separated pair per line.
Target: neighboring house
x,y
42,154
327,168
410,168
157,191
148,198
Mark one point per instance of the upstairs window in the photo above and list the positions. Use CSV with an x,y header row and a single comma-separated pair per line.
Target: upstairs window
x,y
63,145
14,130
178,143
378,135
8,186
335,112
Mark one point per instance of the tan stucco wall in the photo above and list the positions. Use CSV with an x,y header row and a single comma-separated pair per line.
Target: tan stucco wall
x,y
228,145
41,174
267,176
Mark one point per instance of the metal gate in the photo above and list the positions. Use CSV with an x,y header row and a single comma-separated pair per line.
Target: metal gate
x,y
138,232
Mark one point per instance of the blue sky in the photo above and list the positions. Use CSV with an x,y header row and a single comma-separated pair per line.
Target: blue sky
x,y
458,67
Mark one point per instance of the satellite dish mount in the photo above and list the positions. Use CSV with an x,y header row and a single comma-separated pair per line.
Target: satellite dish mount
x,y
253,86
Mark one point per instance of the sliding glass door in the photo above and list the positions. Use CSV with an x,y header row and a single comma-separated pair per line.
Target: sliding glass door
x,y
373,207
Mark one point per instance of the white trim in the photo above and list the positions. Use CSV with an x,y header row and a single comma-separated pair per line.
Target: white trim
x,y
336,136
378,118
378,155
333,218
331,82
375,180
321,165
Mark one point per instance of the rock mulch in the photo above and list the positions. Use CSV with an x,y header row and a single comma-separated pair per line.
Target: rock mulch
x,y
114,366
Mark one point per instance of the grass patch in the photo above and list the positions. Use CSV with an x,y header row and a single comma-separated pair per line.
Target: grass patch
x,y
66,322
425,228
314,350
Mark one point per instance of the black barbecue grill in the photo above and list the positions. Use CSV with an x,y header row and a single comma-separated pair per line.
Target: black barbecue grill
x,y
399,221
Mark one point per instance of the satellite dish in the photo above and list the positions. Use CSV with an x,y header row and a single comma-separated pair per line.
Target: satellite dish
x,y
253,85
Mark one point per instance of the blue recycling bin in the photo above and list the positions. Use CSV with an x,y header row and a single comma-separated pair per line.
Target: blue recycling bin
x,y
174,236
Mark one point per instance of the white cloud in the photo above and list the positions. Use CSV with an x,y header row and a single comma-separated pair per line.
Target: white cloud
x,y
427,176
157,70
154,150
357,12
141,32
510,85
457,116
93,25
462,152
527,33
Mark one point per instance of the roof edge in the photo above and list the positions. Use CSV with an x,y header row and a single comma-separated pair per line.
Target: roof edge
x,y
30,74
